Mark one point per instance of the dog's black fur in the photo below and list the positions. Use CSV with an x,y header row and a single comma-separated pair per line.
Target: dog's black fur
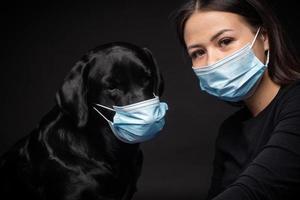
x,y
72,154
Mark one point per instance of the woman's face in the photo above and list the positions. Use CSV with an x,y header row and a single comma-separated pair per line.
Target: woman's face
x,y
211,35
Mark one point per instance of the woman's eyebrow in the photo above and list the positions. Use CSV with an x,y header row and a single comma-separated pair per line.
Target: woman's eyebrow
x,y
193,46
219,33
211,39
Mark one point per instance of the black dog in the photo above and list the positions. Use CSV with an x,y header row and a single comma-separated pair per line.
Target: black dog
x,y
73,154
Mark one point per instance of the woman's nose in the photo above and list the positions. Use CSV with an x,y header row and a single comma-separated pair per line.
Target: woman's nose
x,y
213,57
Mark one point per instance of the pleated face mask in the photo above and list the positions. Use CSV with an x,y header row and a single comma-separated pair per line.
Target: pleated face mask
x,y
138,122
235,77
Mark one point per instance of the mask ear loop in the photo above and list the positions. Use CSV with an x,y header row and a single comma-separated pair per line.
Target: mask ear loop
x,y
268,54
255,37
108,108
268,58
101,113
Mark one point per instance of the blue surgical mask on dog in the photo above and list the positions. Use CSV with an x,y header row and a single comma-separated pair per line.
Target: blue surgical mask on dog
x,y
138,122
235,77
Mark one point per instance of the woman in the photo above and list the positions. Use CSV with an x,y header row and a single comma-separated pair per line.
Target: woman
x,y
240,55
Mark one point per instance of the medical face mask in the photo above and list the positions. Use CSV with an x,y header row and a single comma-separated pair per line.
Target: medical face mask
x,y
138,122
235,77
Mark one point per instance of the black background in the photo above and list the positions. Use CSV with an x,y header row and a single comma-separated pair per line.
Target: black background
x,y
41,42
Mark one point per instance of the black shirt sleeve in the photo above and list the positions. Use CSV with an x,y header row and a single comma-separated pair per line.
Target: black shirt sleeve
x,y
216,179
274,174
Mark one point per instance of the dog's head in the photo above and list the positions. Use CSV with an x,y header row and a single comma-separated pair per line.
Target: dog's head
x,y
111,74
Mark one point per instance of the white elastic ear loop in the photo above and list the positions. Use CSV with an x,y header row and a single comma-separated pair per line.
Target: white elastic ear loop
x,y
101,113
268,54
268,58
255,37
108,108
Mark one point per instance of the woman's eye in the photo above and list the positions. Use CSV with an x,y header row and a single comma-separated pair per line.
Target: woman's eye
x,y
224,42
197,54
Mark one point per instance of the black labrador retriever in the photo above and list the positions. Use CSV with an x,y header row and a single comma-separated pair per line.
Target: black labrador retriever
x,y
72,153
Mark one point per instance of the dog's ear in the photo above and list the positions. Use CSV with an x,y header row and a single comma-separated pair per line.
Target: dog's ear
x,y
159,82
72,96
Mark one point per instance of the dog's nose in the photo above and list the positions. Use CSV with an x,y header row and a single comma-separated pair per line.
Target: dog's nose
x,y
135,97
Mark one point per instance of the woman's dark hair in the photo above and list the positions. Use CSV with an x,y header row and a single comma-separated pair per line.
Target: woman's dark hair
x,y
284,65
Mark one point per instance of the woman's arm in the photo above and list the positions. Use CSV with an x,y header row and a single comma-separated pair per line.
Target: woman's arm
x,y
218,170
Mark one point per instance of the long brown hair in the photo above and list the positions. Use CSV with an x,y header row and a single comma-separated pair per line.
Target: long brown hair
x,y
284,65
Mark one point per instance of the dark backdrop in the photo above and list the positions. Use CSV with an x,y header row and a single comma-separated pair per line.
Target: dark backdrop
x,y
41,42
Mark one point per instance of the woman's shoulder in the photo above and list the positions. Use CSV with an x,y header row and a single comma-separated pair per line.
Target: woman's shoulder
x,y
291,89
289,99
234,119
287,93
286,101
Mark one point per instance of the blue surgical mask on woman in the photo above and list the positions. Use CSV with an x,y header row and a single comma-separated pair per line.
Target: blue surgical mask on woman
x,y
138,122
235,77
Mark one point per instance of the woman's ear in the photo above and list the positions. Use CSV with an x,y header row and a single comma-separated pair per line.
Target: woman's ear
x,y
72,96
159,82
265,39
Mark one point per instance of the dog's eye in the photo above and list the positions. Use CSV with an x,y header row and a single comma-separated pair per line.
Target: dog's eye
x,y
114,91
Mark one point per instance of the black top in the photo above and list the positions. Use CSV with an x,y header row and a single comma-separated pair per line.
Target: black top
x,y
259,157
